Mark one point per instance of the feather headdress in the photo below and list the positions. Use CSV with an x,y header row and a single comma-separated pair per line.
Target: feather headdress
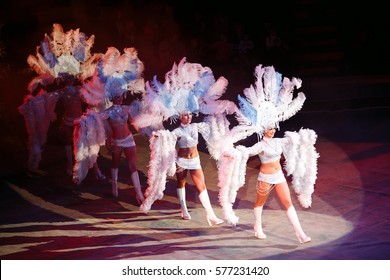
x,y
115,74
270,100
64,52
188,87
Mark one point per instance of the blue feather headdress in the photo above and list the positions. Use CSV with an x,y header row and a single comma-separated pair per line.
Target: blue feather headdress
x,y
183,86
188,87
115,74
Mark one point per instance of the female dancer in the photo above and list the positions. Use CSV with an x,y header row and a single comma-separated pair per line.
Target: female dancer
x,y
121,140
271,177
188,160
188,88
116,75
267,103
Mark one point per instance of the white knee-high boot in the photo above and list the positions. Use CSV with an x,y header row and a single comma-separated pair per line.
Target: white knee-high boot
x,y
114,181
181,194
211,217
137,186
257,211
293,216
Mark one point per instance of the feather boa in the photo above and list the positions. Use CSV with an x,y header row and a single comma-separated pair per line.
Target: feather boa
x,y
162,163
231,162
301,162
219,127
88,136
231,177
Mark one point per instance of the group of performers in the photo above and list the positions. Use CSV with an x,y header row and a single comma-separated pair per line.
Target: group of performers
x,y
66,70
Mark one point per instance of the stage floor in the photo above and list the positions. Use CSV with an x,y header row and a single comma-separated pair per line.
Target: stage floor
x,y
50,218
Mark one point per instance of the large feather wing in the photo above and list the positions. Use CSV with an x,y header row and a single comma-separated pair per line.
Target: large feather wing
x,y
89,135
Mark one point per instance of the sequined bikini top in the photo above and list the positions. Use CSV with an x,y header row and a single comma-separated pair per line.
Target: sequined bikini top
x,y
118,115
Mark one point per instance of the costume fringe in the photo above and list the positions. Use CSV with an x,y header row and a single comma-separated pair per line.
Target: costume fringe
x,y
162,163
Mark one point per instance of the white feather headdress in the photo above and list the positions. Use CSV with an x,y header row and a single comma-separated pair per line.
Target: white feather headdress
x,y
188,87
63,52
270,100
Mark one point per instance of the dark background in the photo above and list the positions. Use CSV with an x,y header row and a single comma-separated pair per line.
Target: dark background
x,y
340,49
353,36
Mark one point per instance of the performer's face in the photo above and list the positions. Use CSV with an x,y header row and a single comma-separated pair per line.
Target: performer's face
x,y
270,132
186,117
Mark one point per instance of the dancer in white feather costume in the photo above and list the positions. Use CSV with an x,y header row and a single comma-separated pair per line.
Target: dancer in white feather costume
x,y
267,103
116,75
189,88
